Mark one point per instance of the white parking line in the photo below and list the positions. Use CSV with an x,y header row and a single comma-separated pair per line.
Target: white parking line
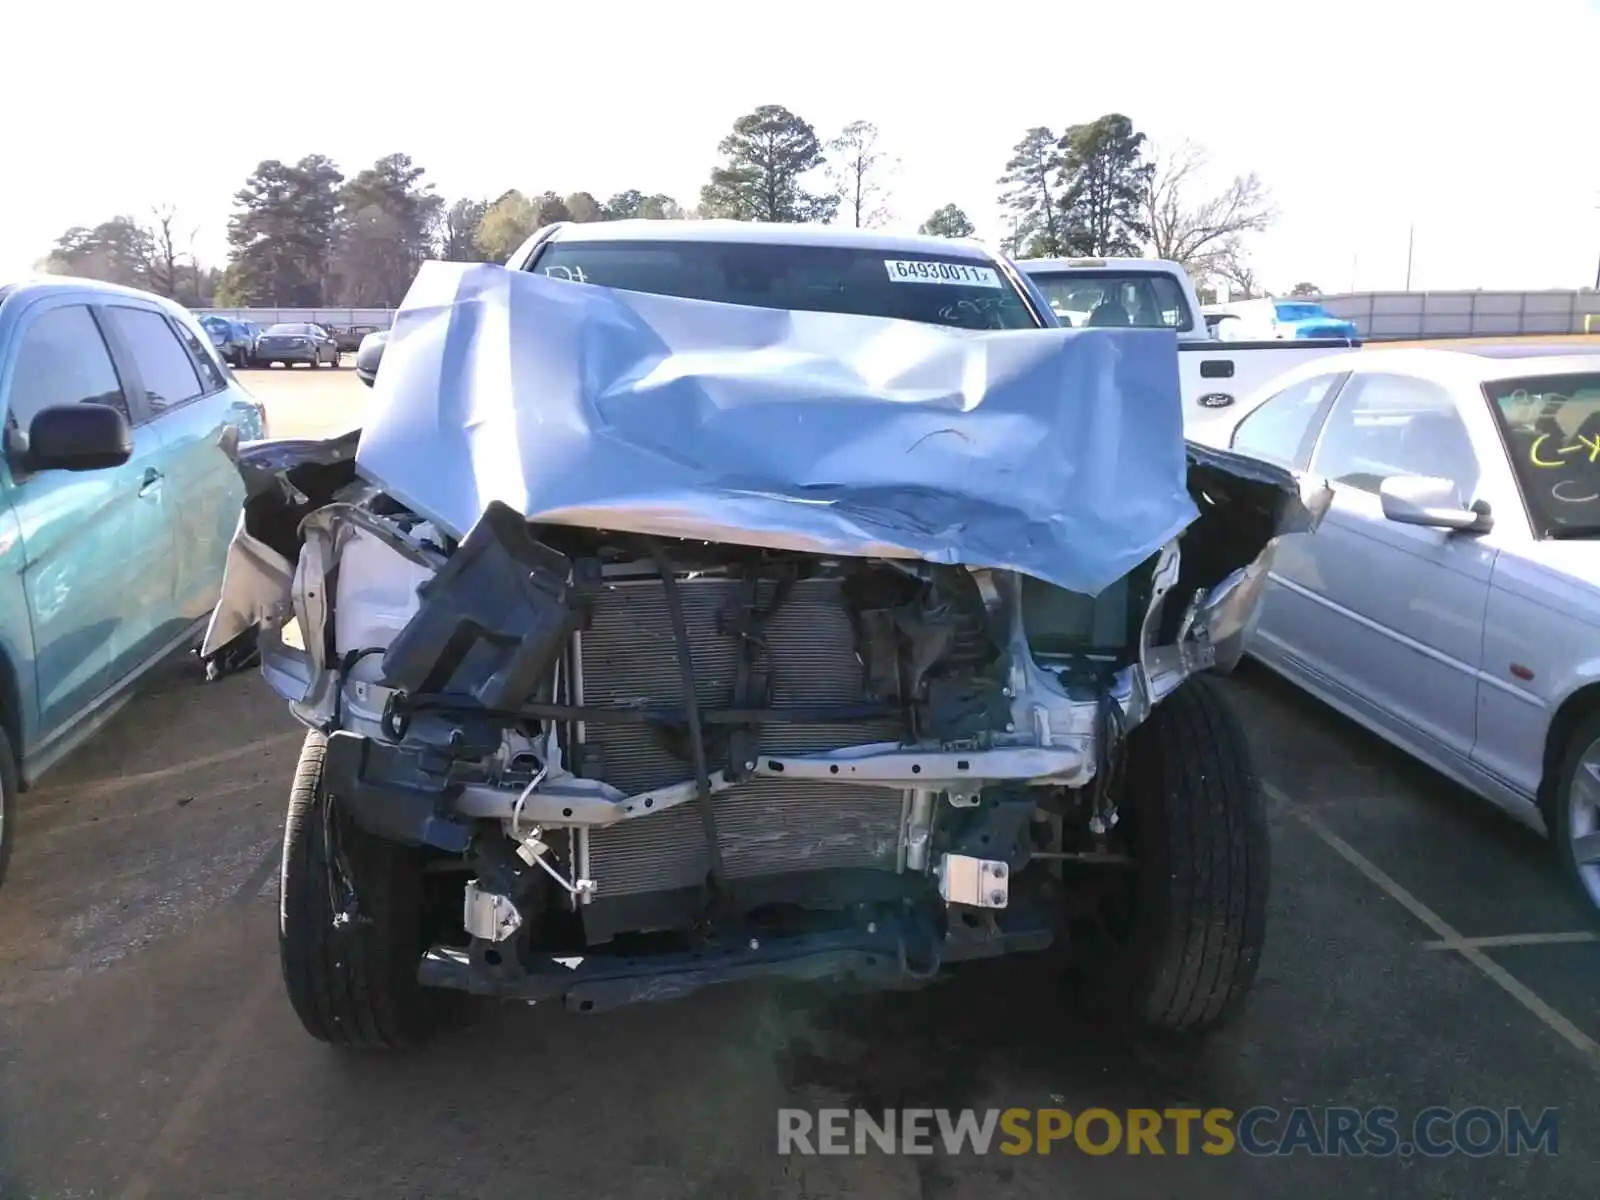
x,y
1514,987
1569,938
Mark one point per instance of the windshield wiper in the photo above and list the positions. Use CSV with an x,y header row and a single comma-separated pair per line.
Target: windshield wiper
x,y
1561,533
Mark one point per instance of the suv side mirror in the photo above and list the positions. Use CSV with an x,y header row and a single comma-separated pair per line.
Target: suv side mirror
x,y
78,437
1431,502
369,354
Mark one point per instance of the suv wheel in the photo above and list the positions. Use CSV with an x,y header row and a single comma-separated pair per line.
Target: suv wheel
x,y
8,802
352,923
1178,939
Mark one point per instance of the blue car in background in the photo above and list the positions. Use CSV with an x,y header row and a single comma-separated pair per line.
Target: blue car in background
x,y
118,498
1270,319
1308,319
235,340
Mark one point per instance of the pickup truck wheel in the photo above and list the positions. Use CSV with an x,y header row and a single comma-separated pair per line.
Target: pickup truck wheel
x,y
8,802
1178,941
352,923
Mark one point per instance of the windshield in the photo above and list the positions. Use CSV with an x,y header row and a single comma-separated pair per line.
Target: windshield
x,y
289,331
933,289
1552,429
1136,299
1301,312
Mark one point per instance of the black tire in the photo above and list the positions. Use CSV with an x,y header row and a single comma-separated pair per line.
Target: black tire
x,y
1559,815
8,802
1182,942
353,985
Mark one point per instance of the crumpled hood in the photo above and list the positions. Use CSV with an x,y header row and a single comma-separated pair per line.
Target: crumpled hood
x,y
1057,453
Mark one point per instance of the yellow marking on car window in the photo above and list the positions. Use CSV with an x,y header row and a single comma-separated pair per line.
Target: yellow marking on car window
x,y
1591,444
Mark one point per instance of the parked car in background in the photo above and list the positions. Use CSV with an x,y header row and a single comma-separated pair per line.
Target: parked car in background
x,y
298,342
1450,600
1269,319
235,340
118,498
350,337
1153,293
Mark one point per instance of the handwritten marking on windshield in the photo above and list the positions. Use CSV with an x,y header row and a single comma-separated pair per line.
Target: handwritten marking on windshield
x,y
1591,444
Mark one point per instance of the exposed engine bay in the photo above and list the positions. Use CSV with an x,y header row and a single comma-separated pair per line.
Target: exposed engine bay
x,y
616,736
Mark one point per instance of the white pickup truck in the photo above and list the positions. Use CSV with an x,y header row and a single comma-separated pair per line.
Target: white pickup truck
x,y
1158,294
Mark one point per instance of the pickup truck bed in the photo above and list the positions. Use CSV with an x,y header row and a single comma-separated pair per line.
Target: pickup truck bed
x,y
1154,293
1217,375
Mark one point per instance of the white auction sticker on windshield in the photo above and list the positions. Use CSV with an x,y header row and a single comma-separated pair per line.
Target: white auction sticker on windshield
x,y
961,274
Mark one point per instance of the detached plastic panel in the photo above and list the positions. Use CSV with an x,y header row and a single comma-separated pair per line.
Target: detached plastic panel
x,y
491,622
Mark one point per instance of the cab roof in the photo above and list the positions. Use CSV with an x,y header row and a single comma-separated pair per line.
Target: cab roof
x,y
1159,266
769,234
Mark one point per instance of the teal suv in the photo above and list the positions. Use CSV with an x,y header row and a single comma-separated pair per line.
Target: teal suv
x,y
118,497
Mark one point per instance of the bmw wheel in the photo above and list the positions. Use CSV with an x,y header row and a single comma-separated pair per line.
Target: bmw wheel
x,y
1575,811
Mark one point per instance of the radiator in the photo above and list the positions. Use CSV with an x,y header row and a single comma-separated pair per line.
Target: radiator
x,y
765,826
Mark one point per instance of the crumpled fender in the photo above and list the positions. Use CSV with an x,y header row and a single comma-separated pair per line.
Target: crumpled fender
x,y
286,479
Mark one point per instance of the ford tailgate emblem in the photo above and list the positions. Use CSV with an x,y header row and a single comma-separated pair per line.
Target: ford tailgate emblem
x,y
1216,400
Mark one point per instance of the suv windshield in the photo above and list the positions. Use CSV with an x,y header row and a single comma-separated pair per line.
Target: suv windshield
x,y
1137,299
1552,429
933,289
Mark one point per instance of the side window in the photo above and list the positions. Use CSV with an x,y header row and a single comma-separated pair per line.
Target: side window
x,y
1277,431
62,359
1385,425
211,376
167,372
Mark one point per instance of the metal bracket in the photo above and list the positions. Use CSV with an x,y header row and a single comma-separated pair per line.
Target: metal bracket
x,y
979,882
489,915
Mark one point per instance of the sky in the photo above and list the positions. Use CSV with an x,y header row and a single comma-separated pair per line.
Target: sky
x,y
1472,123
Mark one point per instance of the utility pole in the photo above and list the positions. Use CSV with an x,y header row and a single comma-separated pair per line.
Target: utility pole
x,y
1411,242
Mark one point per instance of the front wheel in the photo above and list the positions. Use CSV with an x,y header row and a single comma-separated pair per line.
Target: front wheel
x,y
352,925
8,802
1177,940
1575,812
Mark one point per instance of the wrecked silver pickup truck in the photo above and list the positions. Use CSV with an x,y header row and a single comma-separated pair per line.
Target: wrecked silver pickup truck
x,y
649,642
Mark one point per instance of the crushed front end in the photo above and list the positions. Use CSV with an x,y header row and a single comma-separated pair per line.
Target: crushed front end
x,y
652,764
647,644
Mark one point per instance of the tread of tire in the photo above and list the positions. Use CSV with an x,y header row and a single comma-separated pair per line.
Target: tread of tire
x,y
1202,960
353,986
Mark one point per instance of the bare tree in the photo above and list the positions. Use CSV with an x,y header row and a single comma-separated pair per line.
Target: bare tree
x,y
164,265
1230,265
857,174
1193,228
